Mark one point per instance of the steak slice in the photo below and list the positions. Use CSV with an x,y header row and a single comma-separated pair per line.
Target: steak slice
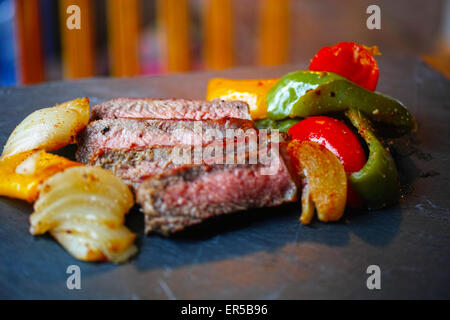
x,y
170,109
136,164
139,133
193,193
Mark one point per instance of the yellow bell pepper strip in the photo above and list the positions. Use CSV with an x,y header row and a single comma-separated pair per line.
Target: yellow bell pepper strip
x,y
251,91
22,173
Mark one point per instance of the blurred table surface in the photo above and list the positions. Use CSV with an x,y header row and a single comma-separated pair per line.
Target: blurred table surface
x,y
260,254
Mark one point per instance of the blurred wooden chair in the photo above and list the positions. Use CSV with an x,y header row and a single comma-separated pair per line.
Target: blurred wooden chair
x,y
274,33
218,21
77,45
173,21
123,37
28,42
174,29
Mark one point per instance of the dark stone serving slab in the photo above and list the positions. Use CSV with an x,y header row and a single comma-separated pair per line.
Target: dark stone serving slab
x,y
260,254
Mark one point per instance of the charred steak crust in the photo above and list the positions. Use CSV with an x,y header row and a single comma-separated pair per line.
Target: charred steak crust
x,y
140,133
170,109
193,193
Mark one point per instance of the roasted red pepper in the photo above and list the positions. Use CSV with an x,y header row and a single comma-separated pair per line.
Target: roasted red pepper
x,y
350,60
337,137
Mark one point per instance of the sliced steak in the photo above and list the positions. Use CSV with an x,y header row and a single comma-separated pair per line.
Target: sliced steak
x,y
136,164
170,109
109,134
192,193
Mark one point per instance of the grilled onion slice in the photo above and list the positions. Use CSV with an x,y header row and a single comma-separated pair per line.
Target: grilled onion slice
x,y
324,180
84,209
49,128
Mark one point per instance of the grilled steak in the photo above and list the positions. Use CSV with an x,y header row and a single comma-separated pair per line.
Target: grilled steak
x,y
136,164
192,193
133,165
153,145
170,109
138,133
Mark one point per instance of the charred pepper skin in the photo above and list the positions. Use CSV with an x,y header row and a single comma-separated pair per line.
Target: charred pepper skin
x,y
309,93
377,182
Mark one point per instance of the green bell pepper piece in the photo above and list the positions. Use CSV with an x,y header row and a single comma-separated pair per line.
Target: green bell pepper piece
x,y
377,182
310,93
281,125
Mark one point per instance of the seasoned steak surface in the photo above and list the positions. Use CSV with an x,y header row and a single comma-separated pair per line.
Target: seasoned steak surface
x,y
170,109
139,133
136,164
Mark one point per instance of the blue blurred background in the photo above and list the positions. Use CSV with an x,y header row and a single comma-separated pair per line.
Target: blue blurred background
x,y
7,50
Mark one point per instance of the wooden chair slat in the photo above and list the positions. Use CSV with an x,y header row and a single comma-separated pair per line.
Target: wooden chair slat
x,y
123,37
30,59
218,34
274,33
77,44
174,33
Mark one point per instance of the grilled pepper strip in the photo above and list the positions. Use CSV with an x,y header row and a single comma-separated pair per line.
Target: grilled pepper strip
x,y
251,91
309,93
22,173
377,182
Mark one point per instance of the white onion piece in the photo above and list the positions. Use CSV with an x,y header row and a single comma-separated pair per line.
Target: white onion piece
x,y
94,242
28,166
49,128
84,209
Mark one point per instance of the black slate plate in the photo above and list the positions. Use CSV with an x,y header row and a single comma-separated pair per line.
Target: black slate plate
x,y
264,253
